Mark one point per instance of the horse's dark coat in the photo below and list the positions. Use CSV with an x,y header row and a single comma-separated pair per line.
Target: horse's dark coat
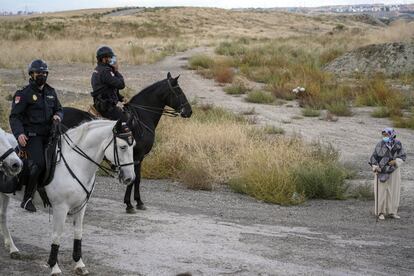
x,y
155,97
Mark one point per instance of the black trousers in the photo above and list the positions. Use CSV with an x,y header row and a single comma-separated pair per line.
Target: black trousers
x,y
109,110
36,163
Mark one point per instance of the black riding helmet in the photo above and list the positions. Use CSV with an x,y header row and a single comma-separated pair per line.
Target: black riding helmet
x,y
38,66
104,51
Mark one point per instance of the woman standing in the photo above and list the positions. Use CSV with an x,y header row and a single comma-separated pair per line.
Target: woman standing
x,y
386,161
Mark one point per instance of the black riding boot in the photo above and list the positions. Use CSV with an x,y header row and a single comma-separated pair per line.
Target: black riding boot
x,y
30,188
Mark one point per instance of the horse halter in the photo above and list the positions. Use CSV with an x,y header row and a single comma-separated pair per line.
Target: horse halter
x,y
178,110
5,155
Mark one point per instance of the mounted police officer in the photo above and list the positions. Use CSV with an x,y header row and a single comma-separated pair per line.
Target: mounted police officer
x,y
34,109
106,82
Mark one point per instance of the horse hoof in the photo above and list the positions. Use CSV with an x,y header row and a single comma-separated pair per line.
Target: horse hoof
x,y
81,271
15,255
141,207
130,210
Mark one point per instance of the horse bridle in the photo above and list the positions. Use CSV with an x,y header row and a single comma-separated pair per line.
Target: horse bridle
x,y
127,136
163,111
172,89
5,155
115,168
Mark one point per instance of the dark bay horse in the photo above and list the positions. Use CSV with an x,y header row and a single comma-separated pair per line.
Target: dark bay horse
x,y
146,107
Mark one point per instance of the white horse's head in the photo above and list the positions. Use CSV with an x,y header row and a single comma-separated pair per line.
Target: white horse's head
x,y
120,153
10,163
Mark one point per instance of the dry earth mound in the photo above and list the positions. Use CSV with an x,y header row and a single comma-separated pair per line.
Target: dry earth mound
x,y
392,59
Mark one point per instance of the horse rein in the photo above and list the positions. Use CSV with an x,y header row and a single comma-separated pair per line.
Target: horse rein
x,y
108,171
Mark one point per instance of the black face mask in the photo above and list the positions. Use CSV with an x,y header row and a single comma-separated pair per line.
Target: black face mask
x,y
40,80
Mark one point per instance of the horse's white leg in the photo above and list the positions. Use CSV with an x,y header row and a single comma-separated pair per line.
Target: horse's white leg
x,y
80,268
59,217
8,241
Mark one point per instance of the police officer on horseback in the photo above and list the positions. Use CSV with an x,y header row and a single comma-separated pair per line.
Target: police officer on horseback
x,y
106,82
34,109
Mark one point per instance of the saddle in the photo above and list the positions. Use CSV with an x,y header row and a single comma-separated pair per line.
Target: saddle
x,y
92,110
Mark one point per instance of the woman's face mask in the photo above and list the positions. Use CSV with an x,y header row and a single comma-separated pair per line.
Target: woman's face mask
x,y
386,139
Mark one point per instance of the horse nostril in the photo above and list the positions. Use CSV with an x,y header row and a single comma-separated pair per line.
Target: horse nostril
x,y
128,180
16,166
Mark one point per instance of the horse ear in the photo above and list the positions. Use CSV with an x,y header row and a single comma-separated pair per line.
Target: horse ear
x,y
168,75
177,77
117,127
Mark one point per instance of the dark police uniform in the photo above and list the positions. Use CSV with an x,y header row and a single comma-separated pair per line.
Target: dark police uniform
x,y
32,114
106,83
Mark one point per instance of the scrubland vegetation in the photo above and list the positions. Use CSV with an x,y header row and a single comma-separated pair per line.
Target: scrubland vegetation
x,y
218,147
283,64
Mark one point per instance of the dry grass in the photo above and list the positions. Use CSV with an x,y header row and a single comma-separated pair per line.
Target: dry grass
x,y
147,36
217,147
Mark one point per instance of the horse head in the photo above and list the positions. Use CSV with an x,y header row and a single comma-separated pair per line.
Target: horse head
x,y
120,152
175,98
10,163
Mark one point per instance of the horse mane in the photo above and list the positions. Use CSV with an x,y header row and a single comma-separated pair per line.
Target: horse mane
x,y
77,133
149,89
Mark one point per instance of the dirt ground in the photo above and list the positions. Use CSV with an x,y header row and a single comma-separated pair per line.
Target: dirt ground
x,y
221,232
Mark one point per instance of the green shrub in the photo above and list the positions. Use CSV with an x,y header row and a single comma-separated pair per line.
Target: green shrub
x,y
236,89
310,112
200,61
258,96
320,180
381,112
339,108
231,49
404,122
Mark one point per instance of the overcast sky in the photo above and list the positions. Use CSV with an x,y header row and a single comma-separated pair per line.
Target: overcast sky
x,y
59,5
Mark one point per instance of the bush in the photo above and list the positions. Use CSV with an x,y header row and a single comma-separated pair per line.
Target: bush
x,y
340,109
310,112
196,177
218,147
200,61
320,180
381,112
223,74
258,96
236,89
404,122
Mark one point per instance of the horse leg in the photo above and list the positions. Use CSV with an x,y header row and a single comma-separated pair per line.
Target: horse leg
x,y
77,243
59,217
8,241
137,182
127,199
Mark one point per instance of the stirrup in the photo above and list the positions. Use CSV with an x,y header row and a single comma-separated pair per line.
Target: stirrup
x,y
28,205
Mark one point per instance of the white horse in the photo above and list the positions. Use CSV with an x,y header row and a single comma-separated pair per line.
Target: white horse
x,y
74,180
10,163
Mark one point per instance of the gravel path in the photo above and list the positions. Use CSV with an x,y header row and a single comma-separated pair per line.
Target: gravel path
x,y
220,232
